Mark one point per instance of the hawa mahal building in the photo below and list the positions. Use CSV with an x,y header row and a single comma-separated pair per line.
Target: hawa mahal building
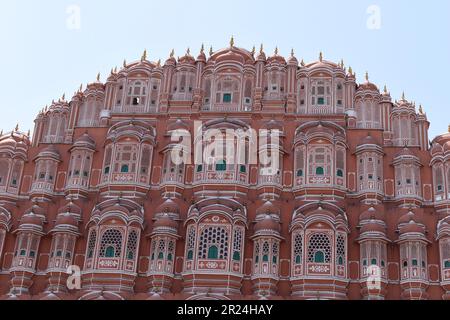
x,y
358,209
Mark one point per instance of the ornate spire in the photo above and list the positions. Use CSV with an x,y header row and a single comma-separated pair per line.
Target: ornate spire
x,y
202,49
321,56
63,98
172,53
367,76
115,69
342,63
292,52
144,55
98,77
403,96
124,63
350,70
302,63
158,64
16,129
253,50
211,51
261,49
385,89
29,133
421,110
81,88
232,42
276,50
188,51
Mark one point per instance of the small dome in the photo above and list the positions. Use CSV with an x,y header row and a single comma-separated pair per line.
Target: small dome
x,y
187,59
412,227
230,56
276,58
436,150
51,151
9,141
31,219
368,140
268,208
406,218
165,222
447,147
368,86
201,56
169,206
66,219
85,141
372,227
35,209
268,223
372,214
70,208
405,152
292,60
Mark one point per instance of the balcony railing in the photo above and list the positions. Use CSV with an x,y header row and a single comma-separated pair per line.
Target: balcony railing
x,y
42,187
134,109
269,180
168,178
53,139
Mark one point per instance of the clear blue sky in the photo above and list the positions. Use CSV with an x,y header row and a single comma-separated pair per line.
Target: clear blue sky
x,y
41,58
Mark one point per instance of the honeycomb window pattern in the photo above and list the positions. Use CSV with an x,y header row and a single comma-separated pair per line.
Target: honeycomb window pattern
x,y
112,238
214,236
340,248
132,245
91,244
298,248
319,242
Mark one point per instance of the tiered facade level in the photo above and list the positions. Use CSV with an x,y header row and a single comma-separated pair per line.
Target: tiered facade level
x,y
358,209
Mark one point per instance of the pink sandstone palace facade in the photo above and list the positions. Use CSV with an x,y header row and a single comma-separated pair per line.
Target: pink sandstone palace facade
x,y
358,209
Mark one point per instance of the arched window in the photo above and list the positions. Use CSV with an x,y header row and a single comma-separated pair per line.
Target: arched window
x,y
111,244
110,252
183,85
137,94
91,244
228,91
132,244
236,256
4,171
320,163
190,243
237,244
320,94
319,257
298,248
213,252
447,264
125,168
319,248
214,242
340,250
438,174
